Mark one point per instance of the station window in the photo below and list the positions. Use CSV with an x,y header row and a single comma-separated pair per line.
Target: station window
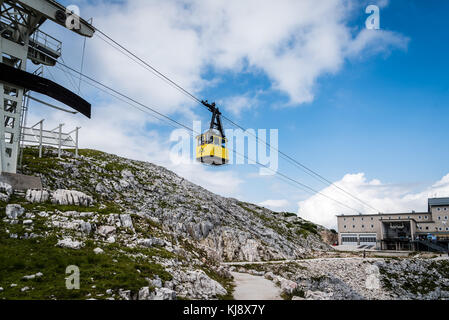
x,y
440,229
363,226
344,226
427,228
419,217
372,226
445,217
447,229
353,226
372,218
426,217
439,218
399,218
438,209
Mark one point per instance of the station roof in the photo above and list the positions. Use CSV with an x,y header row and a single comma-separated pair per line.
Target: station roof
x,y
432,202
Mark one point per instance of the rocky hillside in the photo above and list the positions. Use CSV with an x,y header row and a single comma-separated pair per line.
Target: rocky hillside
x,y
135,230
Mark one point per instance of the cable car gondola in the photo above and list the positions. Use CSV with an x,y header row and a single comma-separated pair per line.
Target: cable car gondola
x,y
211,145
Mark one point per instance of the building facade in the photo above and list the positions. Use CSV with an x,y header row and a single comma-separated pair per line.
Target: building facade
x,y
398,231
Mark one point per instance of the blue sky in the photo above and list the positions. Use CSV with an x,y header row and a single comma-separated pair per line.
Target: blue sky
x,y
370,104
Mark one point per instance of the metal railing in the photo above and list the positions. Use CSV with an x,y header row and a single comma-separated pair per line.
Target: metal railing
x,y
55,137
47,41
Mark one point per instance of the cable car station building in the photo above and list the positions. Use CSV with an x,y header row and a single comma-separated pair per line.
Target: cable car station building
x,y
427,231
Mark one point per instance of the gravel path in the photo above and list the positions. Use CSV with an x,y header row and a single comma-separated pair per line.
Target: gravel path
x,y
249,287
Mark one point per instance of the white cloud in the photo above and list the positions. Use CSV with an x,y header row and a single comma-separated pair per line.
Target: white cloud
x,y
384,197
292,42
236,104
275,204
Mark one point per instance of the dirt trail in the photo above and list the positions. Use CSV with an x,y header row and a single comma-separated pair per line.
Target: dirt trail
x,y
249,287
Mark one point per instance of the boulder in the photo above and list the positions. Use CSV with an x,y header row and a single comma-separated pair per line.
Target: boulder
x,y
164,294
98,251
124,294
157,282
69,243
85,227
71,197
200,285
126,221
288,286
105,230
6,188
150,242
14,211
4,197
318,295
37,196
145,294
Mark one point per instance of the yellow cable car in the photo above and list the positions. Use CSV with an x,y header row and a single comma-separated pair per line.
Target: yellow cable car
x,y
211,145
211,148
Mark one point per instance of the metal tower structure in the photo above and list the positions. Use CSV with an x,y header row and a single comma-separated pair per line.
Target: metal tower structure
x,y
20,41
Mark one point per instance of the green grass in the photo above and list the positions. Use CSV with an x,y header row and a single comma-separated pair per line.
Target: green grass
x,y
113,270
109,207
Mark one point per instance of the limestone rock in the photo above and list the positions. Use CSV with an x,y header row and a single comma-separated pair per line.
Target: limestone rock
x,y
124,294
5,191
164,294
69,243
126,221
85,227
71,197
6,188
318,295
145,294
105,230
37,196
14,211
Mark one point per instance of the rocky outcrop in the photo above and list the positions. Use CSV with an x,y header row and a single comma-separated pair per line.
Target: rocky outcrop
x,y
71,197
196,285
37,196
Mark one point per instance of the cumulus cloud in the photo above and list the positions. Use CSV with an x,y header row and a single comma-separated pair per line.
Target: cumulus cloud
x,y
384,197
275,204
292,42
